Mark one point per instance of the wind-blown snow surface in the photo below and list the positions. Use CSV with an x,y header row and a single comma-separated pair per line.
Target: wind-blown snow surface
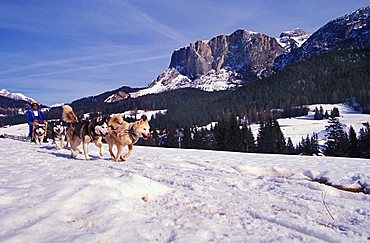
x,y
177,195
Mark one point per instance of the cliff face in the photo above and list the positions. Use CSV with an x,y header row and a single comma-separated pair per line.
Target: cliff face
x,y
229,61
246,53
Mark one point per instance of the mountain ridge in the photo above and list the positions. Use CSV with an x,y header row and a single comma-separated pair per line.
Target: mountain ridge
x,y
351,31
16,96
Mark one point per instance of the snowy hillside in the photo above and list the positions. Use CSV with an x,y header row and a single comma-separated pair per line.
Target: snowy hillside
x,y
16,96
171,79
171,195
299,127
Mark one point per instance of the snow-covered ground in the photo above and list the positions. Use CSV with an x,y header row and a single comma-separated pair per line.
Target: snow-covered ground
x,y
172,195
136,114
299,127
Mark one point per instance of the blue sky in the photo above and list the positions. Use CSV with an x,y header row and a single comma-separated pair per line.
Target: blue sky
x,y
58,51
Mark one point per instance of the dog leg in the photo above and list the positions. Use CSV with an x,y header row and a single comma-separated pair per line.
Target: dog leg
x,y
119,152
130,146
61,144
64,143
57,145
86,152
73,148
99,144
111,151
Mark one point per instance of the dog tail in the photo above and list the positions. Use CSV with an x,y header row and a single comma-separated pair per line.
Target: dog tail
x,y
68,114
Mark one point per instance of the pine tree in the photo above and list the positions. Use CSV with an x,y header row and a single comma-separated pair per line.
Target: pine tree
x,y
337,140
334,112
198,141
170,140
326,115
364,141
321,111
220,131
270,138
227,134
306,146
290,147
249,141
279,138
234,140
204,139
343,147
188,141
315,150
354,150
318,115
264,144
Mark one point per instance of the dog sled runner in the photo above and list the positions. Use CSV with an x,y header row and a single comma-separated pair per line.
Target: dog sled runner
x,y
14,137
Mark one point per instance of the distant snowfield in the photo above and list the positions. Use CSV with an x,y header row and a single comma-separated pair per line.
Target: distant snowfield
x,y
172,195
299,127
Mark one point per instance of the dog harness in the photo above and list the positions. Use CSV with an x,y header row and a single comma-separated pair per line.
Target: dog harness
x,y
91,133
131,133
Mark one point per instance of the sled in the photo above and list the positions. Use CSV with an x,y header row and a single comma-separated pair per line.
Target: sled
x,y
14,137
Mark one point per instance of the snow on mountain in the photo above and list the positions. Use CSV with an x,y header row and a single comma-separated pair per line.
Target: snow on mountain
x,y
292,39
218,80
136,114
174,195
16,96
118,96
110,99
171,79
56,105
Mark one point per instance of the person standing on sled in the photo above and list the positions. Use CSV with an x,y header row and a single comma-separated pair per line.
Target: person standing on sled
x,y
34,115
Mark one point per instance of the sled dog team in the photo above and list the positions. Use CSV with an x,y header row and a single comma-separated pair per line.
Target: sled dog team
x,y
115,131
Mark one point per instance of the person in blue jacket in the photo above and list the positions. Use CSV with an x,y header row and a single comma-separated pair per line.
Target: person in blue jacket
x,y
34,114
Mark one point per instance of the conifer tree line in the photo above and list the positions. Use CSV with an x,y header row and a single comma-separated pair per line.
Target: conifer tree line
x,y
232,134
320,115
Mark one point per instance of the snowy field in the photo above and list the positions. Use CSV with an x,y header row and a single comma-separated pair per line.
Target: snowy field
x,y
172,195
299,127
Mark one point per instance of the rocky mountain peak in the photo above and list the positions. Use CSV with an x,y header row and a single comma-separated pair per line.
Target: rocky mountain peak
x,y
351,31
293,33
16,96
292,39
248,53
229,61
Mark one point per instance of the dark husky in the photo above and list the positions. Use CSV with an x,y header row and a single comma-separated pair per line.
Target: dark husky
x,y
84,131
39,132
